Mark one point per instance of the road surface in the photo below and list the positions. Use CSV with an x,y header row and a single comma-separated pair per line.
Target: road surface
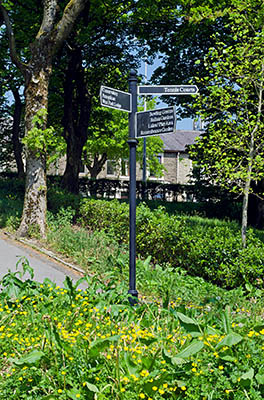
x,y
44,267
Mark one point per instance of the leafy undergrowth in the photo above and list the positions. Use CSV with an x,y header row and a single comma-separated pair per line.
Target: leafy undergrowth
x,y
67,343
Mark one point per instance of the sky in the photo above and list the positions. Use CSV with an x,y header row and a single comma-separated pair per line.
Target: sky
x,y
186,123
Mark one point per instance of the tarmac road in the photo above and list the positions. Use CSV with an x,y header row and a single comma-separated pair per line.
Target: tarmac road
x,y
44,267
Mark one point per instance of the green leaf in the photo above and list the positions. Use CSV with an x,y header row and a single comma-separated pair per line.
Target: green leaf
x,y
228,358
172,360
248,375
227,320
247,378
260,379
185,319
92,387
29,359
98,346
147,362
230,340
189,324
212,331
192,349
132,368
72,393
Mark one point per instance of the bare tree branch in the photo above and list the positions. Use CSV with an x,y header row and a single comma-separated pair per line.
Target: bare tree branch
x,y
49,15
65,25
11,38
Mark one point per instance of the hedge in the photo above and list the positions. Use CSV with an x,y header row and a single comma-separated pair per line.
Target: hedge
x,y
210,249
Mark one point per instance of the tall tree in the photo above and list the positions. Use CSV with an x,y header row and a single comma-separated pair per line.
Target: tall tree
x,y
56,25
232,150
167,30
99,51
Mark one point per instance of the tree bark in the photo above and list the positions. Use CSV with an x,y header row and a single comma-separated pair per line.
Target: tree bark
x,y
245,213
17,147
35,200
247,187
70,179
77,109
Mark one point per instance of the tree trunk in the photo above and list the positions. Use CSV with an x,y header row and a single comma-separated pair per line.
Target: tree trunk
x,y
17,147
97,166
70,179
245,213
35,200
247,188
77,109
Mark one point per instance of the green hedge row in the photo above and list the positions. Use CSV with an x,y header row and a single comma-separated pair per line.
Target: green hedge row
x,y
208,248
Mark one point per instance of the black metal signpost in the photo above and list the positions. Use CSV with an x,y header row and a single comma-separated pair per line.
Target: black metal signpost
x,y
141,124
132,141
167,90
156,122
115,99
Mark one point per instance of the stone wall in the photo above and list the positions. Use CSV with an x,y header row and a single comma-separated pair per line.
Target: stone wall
x,y
178,166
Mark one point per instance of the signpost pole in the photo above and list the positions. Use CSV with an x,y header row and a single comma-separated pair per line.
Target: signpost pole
x,y
144,174
132,141
152,123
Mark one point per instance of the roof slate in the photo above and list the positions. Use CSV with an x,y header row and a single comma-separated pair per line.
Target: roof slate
x,y
180,140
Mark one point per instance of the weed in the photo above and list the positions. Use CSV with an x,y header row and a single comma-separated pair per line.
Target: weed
x,y
66,343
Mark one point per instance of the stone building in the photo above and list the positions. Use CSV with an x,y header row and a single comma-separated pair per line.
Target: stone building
x,y
174,157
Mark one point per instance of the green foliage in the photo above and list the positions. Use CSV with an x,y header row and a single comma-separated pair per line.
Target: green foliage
x,y
58,198
67,343
207,248
108,134
41,140
109,216
82,247
231,151
11,203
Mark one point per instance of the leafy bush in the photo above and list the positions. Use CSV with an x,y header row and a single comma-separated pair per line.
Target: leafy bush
x,y
91,251
12,186
207,248
110,216
58,198
10,210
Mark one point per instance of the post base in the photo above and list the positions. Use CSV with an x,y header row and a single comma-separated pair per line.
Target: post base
x,y
133,297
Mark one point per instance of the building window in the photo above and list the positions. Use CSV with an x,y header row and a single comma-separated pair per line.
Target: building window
x,y
124,167
110,167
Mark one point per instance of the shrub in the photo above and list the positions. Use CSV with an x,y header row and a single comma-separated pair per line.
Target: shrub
x,y
207,248
110,216
58,198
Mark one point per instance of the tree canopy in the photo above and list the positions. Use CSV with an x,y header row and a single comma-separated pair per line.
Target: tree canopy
x,y
231,151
